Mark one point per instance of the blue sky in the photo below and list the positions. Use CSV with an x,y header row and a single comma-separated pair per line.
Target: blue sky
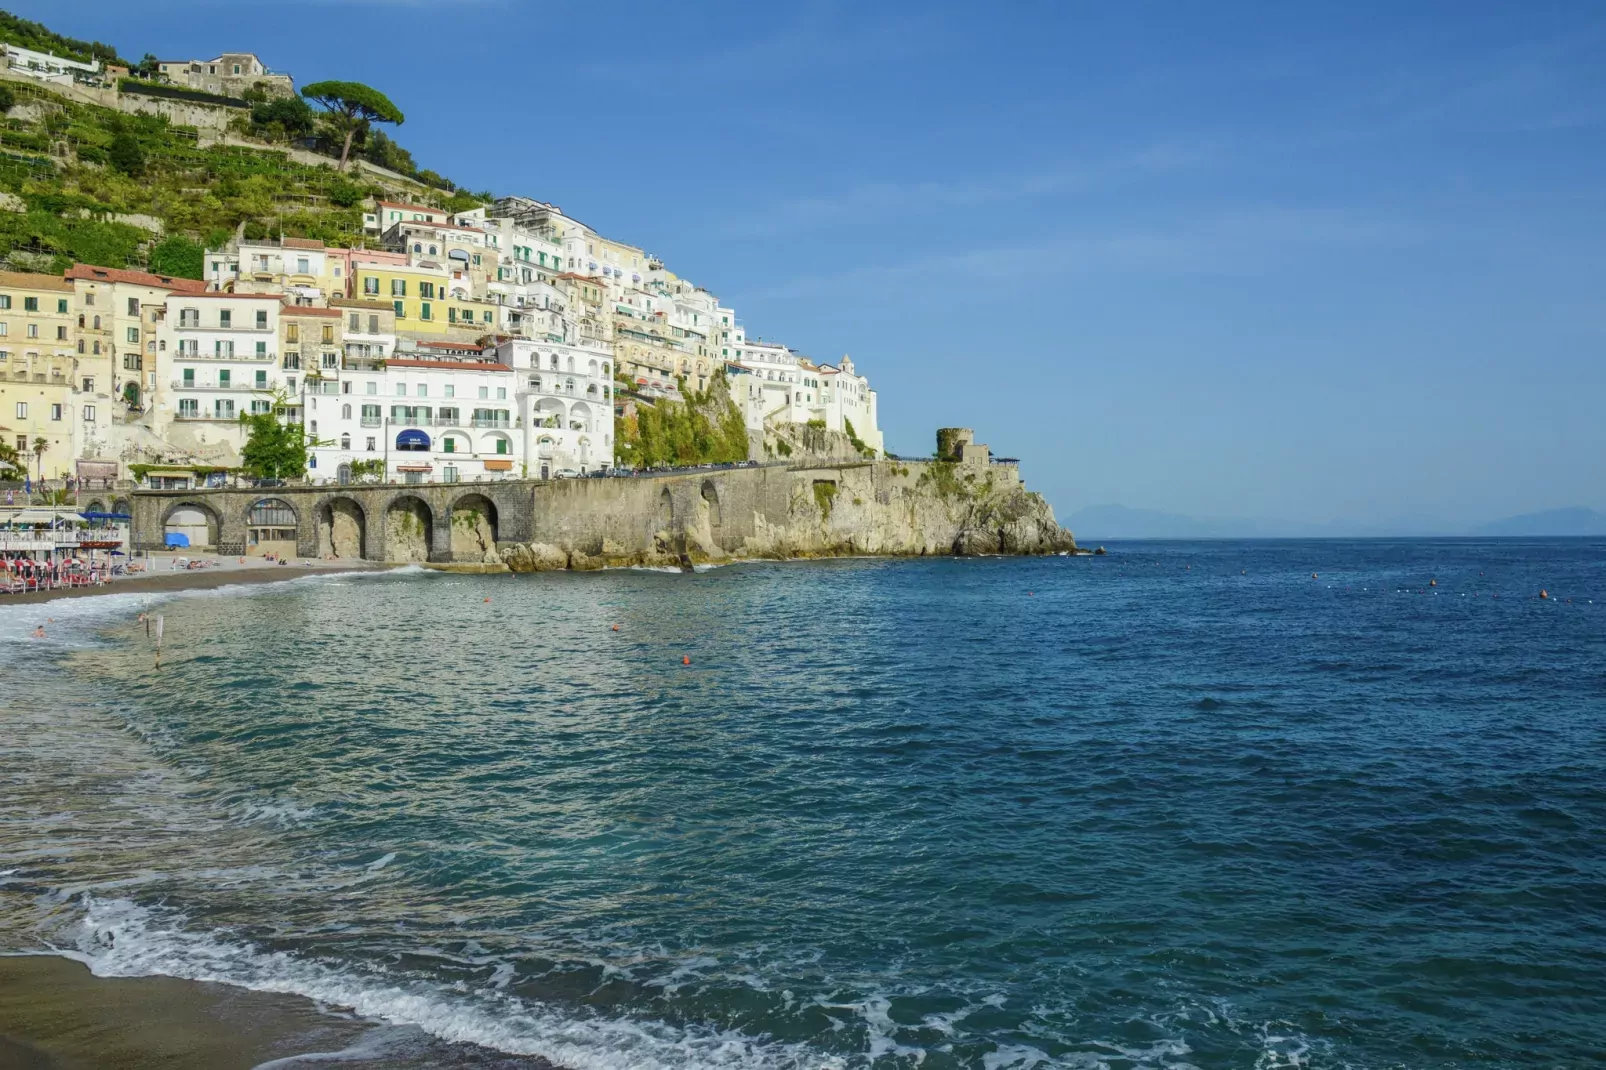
x,y
1314,262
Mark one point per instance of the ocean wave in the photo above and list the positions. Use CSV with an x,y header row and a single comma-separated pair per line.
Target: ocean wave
x,y
120,938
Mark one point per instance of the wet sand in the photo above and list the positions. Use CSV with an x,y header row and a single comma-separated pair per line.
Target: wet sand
x,y
226,572
56,1015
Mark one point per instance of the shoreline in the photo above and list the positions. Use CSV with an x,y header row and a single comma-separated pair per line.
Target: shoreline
x,y
57,1015
200,580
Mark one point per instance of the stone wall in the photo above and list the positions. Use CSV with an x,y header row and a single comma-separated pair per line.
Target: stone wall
x,y
772,511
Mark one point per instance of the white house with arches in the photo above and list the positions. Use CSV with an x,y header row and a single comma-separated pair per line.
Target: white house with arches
x,y
565,395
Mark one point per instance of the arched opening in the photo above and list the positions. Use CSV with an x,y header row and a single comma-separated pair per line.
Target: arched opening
x,y
666,511
95,506
120,506
270,527
343,474
342,528
496,443
473,526
407,528
190,525
711,502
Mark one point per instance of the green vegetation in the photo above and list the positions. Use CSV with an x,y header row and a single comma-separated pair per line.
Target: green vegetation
x,y
273,449
144,87
825,492
368,471
853,437
350,108
7,98
180,258
10,463
707,429
34,35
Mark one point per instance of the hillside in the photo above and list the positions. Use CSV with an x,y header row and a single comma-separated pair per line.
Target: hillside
x,y
102,186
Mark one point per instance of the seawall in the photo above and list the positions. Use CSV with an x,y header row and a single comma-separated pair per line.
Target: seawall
x,y
772,511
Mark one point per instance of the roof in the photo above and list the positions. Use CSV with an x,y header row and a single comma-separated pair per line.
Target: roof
x,y
219,296
309,310
448,365
461,347
355,302
91,273
28,280
302,243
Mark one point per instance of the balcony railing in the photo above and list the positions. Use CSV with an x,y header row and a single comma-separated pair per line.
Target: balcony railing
x,y
235,358
233,388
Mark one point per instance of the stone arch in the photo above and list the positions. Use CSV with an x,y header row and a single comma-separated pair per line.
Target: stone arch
x,y
95,506
666,511
409,523
711,504
579,414
197,521
122,507
474,523
270,527
342,528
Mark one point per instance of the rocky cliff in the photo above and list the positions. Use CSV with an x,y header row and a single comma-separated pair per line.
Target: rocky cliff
x,y
817,510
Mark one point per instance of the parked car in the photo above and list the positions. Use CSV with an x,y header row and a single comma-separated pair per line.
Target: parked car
x,y
566,473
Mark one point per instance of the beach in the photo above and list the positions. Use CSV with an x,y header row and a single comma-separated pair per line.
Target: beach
x,y
222,572
56,1015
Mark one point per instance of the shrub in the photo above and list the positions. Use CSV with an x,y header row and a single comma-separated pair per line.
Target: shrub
x,y
179,257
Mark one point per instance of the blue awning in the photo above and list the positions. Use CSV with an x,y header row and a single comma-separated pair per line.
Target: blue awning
x,y
412,440
105,516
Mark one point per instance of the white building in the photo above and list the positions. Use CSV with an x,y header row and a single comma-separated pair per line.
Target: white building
x,y
47,67
565,395
301,268
217,359
773,385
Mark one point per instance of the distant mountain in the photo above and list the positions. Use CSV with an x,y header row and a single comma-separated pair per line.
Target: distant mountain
x,y
1574,521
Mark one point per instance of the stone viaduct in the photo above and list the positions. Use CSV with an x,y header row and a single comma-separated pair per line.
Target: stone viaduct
x,y
459,522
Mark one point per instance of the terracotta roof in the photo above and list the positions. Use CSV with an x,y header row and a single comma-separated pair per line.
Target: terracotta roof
x,y
139,278
448,365
302,243
308,310
30,281
217,296
355,302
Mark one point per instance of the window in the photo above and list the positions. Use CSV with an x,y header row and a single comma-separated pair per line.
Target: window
x,y
501,393
448,414
448,444
262,319
189,377
223,378
423,390
485,392
502,445
61,334
223,409
372,387
290,383
188,408
292,332
371,446
271,513
5,302
330,360
451,390
401,312
187,317
262,350
89,385
301,266
61,307
261,380
30,304
449,473
423,312
426,289
398,287
345,442
223,349
97,323
89,301
355,322
373,324
486,316
370,284
132,336
225,319
33,330
133,306
55,412
261,408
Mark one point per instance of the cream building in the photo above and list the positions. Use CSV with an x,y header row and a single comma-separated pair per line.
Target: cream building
x,y
218,359
40,401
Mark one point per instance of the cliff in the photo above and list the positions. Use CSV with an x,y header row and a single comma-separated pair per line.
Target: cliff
x,y
824,509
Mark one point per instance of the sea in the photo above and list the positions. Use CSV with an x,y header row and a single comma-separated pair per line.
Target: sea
x,y
1188,804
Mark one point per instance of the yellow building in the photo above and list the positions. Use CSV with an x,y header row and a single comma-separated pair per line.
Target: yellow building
x,y
39,397
427,301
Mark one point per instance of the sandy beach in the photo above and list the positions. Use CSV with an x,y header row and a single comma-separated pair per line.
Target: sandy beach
x,y
56,1015
222,572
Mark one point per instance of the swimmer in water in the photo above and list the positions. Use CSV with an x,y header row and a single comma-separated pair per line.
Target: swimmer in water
x,y
39,632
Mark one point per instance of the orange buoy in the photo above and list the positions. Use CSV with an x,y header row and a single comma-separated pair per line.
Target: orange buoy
x,y
1543,593
685,659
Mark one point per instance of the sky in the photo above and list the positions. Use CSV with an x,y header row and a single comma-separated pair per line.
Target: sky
x,y
1331,264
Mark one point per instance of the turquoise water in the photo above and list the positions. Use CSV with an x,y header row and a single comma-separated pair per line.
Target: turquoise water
x,y
1182,806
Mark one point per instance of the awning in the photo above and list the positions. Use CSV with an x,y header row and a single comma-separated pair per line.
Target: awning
x,y
92,515
42,516
498,466
412,440
415,468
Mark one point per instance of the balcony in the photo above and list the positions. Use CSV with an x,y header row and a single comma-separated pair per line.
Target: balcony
x,y
232,358
480,421
229,388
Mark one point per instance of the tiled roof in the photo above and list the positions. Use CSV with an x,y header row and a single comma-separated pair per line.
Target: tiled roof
x,y
308,310
302,243
139,278
31,281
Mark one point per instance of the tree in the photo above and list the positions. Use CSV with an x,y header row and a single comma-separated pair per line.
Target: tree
x,y
179,256
381,150
147,67
10,463
350,108
7,99
290,115
274,449
126,155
